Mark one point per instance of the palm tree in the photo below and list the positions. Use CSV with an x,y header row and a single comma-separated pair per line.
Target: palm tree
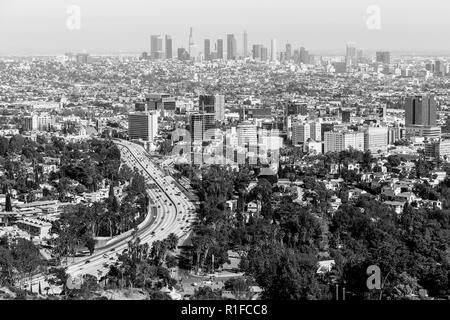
x,y
172,241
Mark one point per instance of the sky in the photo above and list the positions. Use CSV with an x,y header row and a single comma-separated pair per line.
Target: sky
x,y
321,26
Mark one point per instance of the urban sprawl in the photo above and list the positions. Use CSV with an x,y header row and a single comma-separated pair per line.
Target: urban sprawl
x,y
224,172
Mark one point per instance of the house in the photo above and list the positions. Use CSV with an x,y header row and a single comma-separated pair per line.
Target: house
x,y
397,206
35,227
335,203
325,266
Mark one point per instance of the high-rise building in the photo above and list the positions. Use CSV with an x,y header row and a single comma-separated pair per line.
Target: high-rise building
x,y
350,54
383,57
143,125
288,55
304,56
220,49
207,49
376,139
30,123
315,131
156,50
273,50
359,56
247,134
245,44
264,54
169,49
199,124
300,133
438,148
231,47
420,110
337,141
191,42
257,51
439,68
213,105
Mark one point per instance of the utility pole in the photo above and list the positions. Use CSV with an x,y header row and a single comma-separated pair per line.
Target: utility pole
x,y
343,293
337,292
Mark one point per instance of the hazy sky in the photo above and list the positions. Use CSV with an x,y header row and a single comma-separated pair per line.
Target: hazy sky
x,y
40,26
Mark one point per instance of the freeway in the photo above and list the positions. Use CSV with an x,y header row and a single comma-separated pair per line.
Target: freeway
x,y
171,212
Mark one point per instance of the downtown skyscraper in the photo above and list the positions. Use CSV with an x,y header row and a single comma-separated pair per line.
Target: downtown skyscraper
x,y
207,49
156,51
220,49
231,47
420,110
245,44
168,48
288,55
350,54
273,50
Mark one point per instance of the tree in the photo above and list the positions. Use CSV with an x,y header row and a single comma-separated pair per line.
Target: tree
x,y
8,206
172,241
206,293
238,286
26,257
394,160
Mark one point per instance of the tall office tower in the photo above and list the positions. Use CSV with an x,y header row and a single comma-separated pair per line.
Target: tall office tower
x,y
31,123
376,138
199,124
288,55
437,148
191,42
169,49
231,47
219,107
383,57
420,110
296,56
300,133
350,54
213,105
439,68
207,49
315,131
264,54
220,49
143,125
304,56
273,50
247,135
156,46
359,56
257,51
245,44
337,141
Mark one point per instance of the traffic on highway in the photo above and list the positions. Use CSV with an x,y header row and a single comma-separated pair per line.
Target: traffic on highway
x,y
170,211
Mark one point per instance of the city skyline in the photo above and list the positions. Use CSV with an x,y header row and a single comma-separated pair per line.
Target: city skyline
x,y
32,27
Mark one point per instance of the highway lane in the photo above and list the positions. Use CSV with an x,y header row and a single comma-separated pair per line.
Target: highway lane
x,y
174,214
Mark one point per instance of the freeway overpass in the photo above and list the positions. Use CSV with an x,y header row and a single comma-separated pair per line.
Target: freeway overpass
x,y
172,212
